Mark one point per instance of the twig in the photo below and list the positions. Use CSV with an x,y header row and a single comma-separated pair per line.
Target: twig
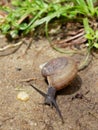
x,y
78,41
28,44
93,114
10,46
9,49
28,79
22,18
9,118
71,38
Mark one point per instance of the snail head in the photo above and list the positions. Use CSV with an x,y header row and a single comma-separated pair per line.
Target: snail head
x,y
50,99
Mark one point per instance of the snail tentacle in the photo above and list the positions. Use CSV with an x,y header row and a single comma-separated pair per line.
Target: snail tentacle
x,y
50,100
58,110
39,91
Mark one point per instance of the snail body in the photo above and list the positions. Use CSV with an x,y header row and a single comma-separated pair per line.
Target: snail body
x,y
59,72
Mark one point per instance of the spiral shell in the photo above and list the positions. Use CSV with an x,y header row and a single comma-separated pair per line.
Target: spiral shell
x,y
60,72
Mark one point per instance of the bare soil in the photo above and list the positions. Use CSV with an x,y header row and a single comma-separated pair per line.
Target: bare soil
x,y
78,102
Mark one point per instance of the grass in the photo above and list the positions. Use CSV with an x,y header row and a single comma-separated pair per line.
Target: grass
x,y
25,16
91,35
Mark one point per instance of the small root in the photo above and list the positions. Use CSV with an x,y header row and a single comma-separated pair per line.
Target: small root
x,y
77,39
12,48
94,115
28,45
81,34
71,52
85,62
9,49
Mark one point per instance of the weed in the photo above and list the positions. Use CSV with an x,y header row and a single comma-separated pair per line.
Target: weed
x,y
91,35
25,15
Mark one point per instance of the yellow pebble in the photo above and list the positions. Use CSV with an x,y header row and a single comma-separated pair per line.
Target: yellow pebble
x,y
23,96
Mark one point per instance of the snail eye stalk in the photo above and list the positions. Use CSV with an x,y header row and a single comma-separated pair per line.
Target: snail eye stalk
x,y
52,102
39,91
58,110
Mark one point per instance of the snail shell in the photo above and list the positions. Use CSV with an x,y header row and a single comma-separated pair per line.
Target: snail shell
x,y
60,72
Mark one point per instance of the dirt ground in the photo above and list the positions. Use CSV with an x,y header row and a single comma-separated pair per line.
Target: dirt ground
x,y
78,102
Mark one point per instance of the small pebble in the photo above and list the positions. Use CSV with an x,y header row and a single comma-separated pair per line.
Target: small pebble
x,y
18,69
23,96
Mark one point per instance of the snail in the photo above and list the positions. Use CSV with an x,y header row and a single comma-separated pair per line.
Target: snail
x,y
58,72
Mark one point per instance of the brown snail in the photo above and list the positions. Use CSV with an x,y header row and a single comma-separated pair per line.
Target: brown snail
x,y
59,72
